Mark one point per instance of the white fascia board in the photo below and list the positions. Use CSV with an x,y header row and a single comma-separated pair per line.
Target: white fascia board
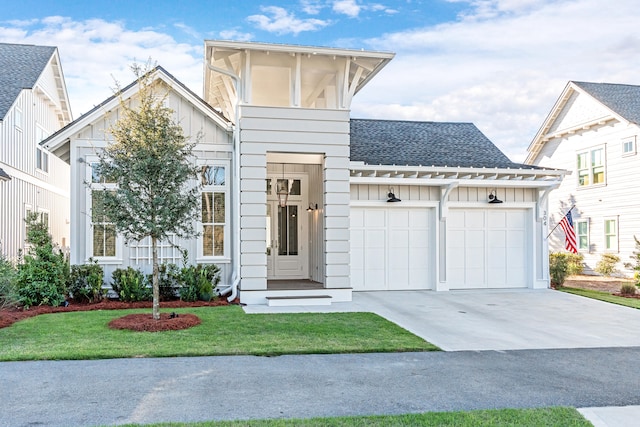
x,y
443,182
288,48
361,167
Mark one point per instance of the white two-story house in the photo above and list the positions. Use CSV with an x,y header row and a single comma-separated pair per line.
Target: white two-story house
x,y
592,131
33,105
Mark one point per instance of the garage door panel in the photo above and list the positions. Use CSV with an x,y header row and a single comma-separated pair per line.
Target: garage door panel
x,y
395,246
494,244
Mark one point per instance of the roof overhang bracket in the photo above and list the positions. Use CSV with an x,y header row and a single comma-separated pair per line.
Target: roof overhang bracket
x,y
444,198
543,196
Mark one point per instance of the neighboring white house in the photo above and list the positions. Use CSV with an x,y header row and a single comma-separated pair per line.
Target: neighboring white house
x,y
306,194
592,131
33,105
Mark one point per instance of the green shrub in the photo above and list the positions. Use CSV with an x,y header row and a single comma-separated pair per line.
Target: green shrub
x,y
558,268
131,285
198,282
86,282
43,274
636,262
575,263
168,281
607,264
8,277
628,289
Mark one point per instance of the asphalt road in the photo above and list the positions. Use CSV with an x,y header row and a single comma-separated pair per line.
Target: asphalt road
x,y
119,391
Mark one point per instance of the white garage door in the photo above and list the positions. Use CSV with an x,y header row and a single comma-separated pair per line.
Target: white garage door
x,y
391,248
487,248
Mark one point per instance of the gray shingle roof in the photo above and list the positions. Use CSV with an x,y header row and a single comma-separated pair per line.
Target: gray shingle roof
x,y
623,99
392,142
20,67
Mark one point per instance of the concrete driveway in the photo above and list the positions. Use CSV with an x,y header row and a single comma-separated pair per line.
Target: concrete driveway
x,y
497,319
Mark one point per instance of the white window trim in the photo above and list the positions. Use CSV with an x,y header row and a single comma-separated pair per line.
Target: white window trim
x,y
633,150
589,152
118,258
226,257
604,223
44,159
585,221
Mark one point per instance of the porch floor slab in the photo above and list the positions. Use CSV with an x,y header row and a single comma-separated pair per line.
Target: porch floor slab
x,y
495,319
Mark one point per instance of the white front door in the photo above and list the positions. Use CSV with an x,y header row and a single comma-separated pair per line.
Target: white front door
x,y
287,233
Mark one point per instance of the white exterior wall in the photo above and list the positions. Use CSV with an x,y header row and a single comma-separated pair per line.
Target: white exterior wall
x,y
616,199
294,130
30,187
214,147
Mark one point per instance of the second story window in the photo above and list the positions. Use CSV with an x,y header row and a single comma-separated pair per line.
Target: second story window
x,y
591,167
42,159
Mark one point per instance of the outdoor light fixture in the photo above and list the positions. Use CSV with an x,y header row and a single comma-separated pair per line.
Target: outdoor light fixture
x,y
493,198
392,197
311,207
283,190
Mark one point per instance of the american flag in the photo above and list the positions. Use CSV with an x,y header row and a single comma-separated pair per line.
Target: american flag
x,y
570,243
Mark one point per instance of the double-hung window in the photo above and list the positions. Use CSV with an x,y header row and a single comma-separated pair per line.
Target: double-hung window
x,y
214,211
629,146
42,156
591,167
582,234
611,234
103,231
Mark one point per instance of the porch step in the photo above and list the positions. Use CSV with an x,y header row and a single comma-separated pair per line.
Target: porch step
x,y
287,301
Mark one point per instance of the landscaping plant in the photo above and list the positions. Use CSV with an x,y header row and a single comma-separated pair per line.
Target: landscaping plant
x,y
86,282
199,281
575,263
628,289
8,276
157,190
558,268
130,285
607,264
636,262
44,272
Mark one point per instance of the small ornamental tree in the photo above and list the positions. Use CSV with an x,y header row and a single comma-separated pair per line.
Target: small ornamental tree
x,y
156,192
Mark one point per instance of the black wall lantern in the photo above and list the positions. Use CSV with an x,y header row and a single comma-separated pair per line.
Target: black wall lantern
x,y
493,198
392,197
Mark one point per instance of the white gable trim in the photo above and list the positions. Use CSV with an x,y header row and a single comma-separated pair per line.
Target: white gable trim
x,y
57,140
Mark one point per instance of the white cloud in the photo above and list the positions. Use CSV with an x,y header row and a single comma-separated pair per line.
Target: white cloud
x,y
503,72
347,7
92,51
311,7
235,35
282,22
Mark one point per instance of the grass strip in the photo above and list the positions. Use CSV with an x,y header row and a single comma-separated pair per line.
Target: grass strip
x,y
540,417
223,331
603,296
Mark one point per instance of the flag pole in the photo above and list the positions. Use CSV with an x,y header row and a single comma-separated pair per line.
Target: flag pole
x,y
554,228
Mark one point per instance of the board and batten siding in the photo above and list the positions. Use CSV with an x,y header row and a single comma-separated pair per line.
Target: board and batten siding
x,y
617,198
295,130
30,187
213,146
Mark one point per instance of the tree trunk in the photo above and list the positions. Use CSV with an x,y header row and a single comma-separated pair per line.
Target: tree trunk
x,y
154,281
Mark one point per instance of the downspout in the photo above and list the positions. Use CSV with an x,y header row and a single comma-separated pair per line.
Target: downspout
x,y
235,277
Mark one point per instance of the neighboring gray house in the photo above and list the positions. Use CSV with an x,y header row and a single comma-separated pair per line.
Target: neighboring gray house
x,y
304,205
33,105
592,131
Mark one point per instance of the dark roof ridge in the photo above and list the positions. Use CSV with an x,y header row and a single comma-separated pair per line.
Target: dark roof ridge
x,y
412,121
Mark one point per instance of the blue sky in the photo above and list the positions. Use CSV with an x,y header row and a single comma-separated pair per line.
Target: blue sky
x,y
500,64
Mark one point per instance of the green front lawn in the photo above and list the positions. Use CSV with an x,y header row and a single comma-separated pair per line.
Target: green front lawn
x,y
223,331
542,417
603,296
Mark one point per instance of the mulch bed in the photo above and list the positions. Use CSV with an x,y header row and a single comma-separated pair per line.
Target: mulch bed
x,y
146,323
9,316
